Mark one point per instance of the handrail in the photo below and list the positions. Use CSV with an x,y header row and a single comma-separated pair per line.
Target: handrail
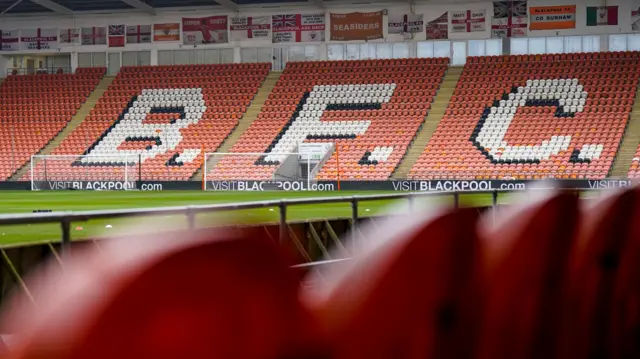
x,y
65,218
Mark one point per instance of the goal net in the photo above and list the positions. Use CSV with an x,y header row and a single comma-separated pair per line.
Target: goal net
x,y
84,172
259,172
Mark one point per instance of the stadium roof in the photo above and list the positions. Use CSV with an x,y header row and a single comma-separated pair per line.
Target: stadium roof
x,y
70,7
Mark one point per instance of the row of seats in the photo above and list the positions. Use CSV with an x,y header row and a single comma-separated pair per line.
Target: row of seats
x,y
35,108
162,118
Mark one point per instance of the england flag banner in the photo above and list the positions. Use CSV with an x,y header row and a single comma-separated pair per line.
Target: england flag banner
x,y
409,23
205,30
510,18
39,39
9,40
250,27
468,21
69,37
94,35
298,28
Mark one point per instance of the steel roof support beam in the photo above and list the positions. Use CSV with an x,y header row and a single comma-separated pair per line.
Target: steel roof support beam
x,y
140,6
53,6
228,4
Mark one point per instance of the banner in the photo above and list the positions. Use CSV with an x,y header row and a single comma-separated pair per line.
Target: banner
x,y
409,23
602,15
9,40
553,17
94,35
166,32
298,27
438,28
250,27
356,26
139,34
116,35
468,21
635,20
509,19
39,39
205,30
69,37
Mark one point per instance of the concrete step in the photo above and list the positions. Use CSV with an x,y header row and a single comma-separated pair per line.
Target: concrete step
x,y
76,120
430,124
252,113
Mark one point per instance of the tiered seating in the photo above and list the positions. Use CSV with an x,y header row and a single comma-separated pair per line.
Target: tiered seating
x,y
371,109
634,170
165,116
534,116
35,108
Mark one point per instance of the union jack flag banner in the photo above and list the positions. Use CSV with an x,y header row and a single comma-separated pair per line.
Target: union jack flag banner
x,y
116,35
510,18
298,27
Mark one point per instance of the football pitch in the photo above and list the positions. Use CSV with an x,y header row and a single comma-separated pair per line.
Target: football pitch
x,y
62,201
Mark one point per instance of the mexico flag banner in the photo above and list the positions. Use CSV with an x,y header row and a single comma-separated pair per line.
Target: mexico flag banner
x,y
509,19
39,39
468,21
635,20
250,27
205,30
553,17
409,23
298,28
602,15
69,37
166,32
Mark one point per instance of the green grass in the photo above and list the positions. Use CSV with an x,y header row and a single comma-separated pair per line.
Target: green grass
x,y
26,202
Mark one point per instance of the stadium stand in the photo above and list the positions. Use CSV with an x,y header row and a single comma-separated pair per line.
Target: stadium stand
x,y
534,116
371,109
35,108
166,115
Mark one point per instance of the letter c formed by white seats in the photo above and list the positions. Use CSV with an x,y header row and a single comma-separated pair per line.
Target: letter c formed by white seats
x,y
571,99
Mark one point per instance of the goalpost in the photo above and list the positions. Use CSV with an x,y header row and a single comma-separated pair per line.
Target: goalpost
x,y
84,172
255,171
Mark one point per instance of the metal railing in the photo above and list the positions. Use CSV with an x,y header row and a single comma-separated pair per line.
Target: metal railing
x,y
66,218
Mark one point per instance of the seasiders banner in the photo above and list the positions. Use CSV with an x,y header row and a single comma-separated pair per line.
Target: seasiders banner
x,y
298,28
250,27
356,26
468,20
552,17
205,30
509,19
38,39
